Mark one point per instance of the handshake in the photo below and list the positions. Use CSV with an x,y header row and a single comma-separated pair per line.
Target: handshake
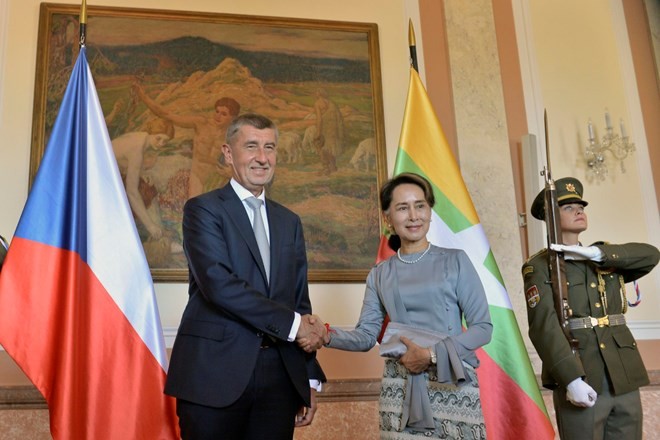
x,y
312,333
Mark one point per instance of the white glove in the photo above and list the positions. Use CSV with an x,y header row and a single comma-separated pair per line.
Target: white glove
x,y
577,252
579,393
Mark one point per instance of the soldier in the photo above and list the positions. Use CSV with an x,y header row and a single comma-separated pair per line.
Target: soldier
x,y
596,391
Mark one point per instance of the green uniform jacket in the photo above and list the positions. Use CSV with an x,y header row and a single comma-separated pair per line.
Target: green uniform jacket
x,y
602,350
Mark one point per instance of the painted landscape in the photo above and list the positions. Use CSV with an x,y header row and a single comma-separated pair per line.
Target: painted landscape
x,y
332,183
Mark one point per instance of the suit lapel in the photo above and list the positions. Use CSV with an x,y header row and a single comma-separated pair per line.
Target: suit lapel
x,y
239,217
274,222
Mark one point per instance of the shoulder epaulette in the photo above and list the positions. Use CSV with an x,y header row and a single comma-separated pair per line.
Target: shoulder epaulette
x,y
536,255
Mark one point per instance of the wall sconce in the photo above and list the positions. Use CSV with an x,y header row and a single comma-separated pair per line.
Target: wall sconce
x,y
618,146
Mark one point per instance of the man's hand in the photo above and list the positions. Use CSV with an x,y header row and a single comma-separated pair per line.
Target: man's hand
x,y
416,359
312,333
579,393
576,252
306,415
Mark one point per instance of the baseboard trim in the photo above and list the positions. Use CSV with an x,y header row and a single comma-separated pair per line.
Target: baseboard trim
x,y
21,397
643,330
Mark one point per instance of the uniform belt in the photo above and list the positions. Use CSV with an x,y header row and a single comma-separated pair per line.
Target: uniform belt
x,y
591,322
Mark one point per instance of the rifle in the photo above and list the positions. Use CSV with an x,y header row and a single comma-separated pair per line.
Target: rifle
x,y
556,259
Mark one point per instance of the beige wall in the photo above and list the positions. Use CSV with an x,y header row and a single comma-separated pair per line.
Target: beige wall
x,y
337,303
585,67
16,107
572,61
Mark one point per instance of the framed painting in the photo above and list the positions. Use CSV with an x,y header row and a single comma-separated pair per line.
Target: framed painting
x,y
169,82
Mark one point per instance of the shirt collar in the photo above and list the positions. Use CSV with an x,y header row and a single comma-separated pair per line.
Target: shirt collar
x,y
243,193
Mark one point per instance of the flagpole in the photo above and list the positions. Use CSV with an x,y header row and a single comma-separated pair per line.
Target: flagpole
x,y
83,24
411,44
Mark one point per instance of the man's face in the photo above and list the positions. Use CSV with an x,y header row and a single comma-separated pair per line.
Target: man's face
x,y
573,218
252,156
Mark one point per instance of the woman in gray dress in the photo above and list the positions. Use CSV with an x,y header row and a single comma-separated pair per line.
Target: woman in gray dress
x,y
429,391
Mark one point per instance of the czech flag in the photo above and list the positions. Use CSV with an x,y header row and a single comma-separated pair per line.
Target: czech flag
x,y
78,310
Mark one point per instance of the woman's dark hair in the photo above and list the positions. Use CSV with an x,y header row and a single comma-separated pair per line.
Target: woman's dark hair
x,y
394,241
388,188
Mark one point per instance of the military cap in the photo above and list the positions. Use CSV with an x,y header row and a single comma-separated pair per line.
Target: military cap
x,y
569,190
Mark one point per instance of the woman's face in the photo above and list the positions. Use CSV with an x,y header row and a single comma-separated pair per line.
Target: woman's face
x,y
158,140
573,219
409,213
223,116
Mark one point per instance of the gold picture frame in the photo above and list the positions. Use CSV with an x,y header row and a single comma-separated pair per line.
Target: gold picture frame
x,y
309,76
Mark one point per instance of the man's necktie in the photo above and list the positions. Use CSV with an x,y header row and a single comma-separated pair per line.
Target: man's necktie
x,y
260,233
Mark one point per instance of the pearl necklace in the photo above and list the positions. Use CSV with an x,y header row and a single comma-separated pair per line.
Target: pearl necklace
x,y
416,260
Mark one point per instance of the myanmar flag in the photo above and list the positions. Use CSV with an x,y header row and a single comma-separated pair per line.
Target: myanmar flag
x,y
511,400
77,305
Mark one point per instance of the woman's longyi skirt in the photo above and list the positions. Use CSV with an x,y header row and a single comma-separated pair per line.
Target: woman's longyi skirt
x,y
456,409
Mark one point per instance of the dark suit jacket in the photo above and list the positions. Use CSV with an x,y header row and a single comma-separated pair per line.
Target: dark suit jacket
x,y
231,306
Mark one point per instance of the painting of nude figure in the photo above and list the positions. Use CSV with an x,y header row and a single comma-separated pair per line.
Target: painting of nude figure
x,y
170,82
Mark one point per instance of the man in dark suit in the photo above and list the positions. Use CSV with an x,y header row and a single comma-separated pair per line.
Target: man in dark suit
x,y
235,369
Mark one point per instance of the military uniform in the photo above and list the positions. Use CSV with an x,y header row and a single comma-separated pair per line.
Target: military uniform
x,y
608,360
602,349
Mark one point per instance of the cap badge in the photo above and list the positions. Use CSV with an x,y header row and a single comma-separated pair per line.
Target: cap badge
x,y
570,188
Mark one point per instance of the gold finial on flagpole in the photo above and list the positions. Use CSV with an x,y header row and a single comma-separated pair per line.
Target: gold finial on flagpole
x,y
412,44
83,23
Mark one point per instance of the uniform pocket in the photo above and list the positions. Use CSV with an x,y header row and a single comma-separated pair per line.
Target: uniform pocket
x,y
631,360
578,294
625,340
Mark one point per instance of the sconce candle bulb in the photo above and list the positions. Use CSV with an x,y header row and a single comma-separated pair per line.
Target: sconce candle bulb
x,y
624,134
618,146
608,120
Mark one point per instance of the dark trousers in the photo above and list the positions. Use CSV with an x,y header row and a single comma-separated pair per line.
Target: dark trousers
x,y
266,410
611,418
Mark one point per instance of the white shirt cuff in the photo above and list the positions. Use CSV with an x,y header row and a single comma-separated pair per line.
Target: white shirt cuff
x,y
294,327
